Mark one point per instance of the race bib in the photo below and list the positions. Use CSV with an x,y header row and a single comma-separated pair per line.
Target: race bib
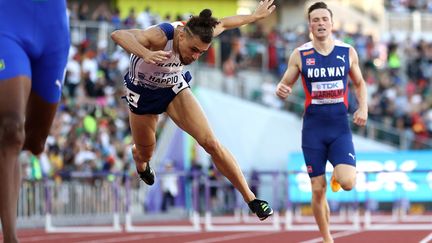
x,y
328,92
132,98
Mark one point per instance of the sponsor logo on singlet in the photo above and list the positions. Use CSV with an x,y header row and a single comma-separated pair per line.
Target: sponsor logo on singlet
x,y
328,92
170,64
307,53
157,80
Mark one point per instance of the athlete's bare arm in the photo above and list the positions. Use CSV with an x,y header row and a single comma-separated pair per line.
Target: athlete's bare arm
x,y
290,76
361,115
264,9
147,44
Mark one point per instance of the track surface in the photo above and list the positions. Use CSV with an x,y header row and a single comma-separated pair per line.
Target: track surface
x,y
39,235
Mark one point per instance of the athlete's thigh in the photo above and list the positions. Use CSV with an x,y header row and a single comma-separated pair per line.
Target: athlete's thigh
x,y
316,160
344,172
186,112
39,118
143,128
48,73
47,80
341,150
313,146
14,93
15,78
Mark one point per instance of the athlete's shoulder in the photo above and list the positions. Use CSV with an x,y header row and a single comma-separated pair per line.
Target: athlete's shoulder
x,y
168,29
178,23
342,44
306,46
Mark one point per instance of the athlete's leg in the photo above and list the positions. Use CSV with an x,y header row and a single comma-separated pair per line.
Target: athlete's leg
x,y
47,75
39,118
143,129
185,111
320,207
342,156
345,175
14,94
316,160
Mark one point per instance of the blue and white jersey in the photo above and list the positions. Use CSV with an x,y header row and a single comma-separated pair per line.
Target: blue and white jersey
x,y
325,78
150,88
165,74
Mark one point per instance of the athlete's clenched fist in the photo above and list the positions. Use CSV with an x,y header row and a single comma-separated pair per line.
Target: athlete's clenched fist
x,y
283,90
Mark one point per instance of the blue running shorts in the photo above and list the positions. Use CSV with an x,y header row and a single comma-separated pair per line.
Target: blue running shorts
x,y
142,100
35,45
326,139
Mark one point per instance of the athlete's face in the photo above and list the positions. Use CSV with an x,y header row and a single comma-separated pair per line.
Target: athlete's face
x,y
191,48
320,23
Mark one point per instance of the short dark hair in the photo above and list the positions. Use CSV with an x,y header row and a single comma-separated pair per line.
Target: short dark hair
x,y
319,5
202,25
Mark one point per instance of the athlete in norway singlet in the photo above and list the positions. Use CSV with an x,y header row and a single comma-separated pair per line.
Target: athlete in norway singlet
x,y
151,87
326,133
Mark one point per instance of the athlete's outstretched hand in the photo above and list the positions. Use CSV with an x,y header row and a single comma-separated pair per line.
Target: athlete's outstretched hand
x,y
264,9
360,117
283,90
154,57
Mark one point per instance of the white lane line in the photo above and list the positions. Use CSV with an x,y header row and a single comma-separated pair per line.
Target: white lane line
x,y
428,239
232,237
335,235
52,237
132,237
123,239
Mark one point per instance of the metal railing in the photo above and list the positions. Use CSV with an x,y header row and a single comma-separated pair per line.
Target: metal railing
x,y
97,33
86,203
415,24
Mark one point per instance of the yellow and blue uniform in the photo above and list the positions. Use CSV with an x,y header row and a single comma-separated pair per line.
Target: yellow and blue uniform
x,y
34,42
326,134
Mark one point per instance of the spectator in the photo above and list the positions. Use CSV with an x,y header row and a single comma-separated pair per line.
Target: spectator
x,y
254,181
130,21
169,183
145,19
213,177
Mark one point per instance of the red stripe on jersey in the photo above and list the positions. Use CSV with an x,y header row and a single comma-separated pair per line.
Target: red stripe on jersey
x,y
308,98
346,94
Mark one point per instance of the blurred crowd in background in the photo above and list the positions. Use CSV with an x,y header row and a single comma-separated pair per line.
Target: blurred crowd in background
x,y
409,5
91,132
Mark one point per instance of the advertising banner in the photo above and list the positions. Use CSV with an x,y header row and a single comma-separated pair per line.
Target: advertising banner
x,y
381,176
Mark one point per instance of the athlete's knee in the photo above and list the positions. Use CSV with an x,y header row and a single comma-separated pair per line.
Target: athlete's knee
x,y
35,145
318,190
12,132
347,182
142,153
211,145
